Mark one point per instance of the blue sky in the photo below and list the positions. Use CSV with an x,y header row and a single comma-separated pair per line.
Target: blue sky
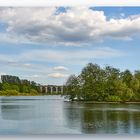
x,y
49,44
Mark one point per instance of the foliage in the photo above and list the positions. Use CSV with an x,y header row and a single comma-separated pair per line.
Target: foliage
x,y
103,84
25,89
10,79
113,98
12,85
9,93
72,87
15,93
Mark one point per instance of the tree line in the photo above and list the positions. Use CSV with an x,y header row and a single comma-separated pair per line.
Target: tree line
x,y
13,85
103,84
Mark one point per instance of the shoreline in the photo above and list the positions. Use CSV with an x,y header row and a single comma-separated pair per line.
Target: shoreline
x,y
94,102
86,102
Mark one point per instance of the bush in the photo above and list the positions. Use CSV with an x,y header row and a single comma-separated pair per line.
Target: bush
x,y
9,93
113,98
33,91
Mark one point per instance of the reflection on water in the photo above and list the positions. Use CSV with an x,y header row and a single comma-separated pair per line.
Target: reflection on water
x,y
17,109
51,115
104,118
16,112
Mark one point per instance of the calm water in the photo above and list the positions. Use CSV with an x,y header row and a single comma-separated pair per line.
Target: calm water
x,y
51,115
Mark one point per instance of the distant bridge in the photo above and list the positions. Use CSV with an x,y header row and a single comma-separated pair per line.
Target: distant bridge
x,y
51,89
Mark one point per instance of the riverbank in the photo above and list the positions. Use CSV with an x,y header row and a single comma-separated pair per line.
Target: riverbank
x,y
16,93
94,102
23,94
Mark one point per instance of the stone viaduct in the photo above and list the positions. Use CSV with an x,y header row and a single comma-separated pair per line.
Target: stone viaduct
x,y
51,89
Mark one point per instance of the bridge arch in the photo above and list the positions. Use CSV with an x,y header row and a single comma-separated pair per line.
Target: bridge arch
x,y
50,89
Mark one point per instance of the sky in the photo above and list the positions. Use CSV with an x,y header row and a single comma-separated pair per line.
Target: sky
x,y
49,44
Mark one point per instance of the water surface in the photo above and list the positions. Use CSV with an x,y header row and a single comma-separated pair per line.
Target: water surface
x,y
51,115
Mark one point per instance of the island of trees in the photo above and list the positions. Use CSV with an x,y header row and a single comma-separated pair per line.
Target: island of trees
x,y
107,84
94,83
13,86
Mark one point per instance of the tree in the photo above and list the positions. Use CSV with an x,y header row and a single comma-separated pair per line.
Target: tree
x,y
10,79
33,91
13,83
15,87
137,75
92,77
72,87
0,86
134,84
126,77
26,89
111,82
6,86
123,92
108,84
112,73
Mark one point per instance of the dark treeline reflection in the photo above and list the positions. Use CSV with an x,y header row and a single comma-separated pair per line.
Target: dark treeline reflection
x,y
103,118
11,110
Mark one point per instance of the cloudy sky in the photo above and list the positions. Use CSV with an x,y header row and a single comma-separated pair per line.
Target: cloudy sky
x,y
49,44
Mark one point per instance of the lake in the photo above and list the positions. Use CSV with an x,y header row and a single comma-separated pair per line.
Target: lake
x,y
51,115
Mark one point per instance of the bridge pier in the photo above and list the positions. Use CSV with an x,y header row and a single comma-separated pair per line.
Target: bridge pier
x,y
56,89
51,89
46,89
41,89
62,89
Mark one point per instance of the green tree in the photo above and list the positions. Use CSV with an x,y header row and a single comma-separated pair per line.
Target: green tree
x,y
33,91
108,84
15,87
111,82
134,84
0,86
26,89
126,77
112,73
6,86
72,88
137,75
10,79
91,78
14,84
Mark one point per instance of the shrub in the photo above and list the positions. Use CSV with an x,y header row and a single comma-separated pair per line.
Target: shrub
x,y
113,98
9,93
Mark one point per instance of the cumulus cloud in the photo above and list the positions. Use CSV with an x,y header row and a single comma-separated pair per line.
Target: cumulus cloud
x,y
58,75
61,68
76,25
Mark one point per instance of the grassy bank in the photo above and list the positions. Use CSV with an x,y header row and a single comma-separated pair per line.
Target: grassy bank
x,y
16,93
105,102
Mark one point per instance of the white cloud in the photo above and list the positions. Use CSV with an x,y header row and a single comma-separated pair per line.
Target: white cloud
x,y
61,57
35,76
61,68
27,64
70,57
58,75
76,25
19,64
